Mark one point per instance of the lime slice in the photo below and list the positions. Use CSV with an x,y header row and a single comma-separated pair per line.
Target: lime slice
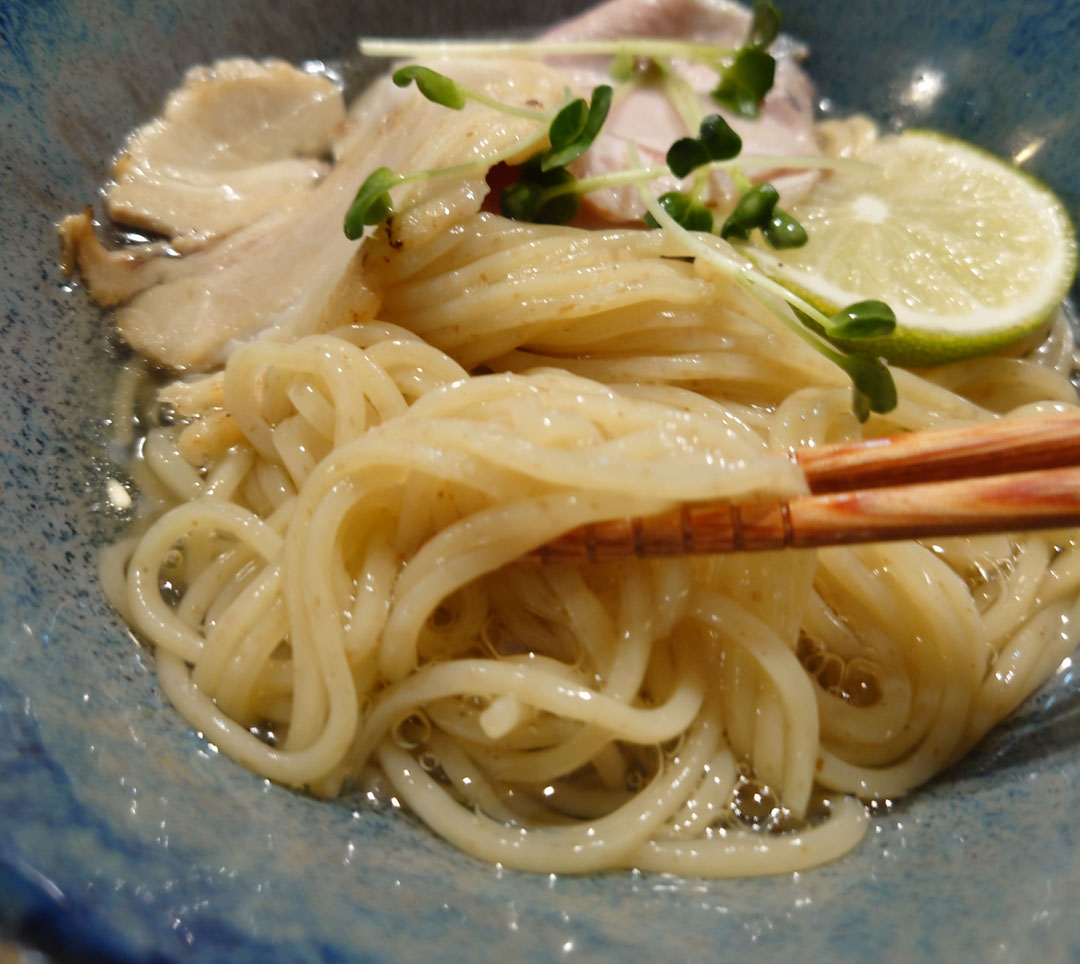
x,y
970,252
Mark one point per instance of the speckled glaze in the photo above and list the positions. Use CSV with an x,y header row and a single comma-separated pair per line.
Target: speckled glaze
x,y
123,837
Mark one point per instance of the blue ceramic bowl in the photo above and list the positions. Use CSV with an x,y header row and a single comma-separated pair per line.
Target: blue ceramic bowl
x,y
122,838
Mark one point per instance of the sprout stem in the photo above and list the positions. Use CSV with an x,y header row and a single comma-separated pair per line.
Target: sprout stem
x,y
743,274
639,47
482,98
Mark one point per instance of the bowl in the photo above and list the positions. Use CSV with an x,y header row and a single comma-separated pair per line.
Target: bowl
x,y
124,837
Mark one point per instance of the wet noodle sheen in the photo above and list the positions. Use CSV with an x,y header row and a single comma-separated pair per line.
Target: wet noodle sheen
x,y
328,574
331,519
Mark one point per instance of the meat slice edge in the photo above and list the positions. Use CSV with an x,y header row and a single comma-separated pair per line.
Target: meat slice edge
x,y
236,140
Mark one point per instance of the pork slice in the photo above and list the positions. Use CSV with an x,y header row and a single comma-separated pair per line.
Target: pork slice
x,y
647,118
292,271
237,140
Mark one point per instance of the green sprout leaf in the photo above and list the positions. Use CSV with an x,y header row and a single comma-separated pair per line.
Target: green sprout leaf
x,y
863,319
372,202
873,387
529,199
754,210
716,142
718,138
765,25
559,210
685,211
745,82
567,152
521,201
569,123
433,85
685,155
783,231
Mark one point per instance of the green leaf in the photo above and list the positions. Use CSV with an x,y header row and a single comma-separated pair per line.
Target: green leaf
x,y
685,155
863,319
746,81
559,210
529,199
719,140
874,388
569,123
521,201
685,211
372,202
434,86
783,231
753,210
765,26
599,105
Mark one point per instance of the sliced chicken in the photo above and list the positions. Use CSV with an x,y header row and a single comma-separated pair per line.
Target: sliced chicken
x,y
646,116
235,141
279,265
292,271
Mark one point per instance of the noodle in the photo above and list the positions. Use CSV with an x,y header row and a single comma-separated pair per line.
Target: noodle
x,y
326,562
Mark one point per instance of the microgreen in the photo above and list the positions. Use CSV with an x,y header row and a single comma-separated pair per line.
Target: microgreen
x,y
753,210
749,77
372,202
745,75
619,47
575,128
783,231
864,319
546,192
569,123
448,92
745,82
532,197
873,389
764,26
756,208
685,155
433,85
720,140
684,211
716,142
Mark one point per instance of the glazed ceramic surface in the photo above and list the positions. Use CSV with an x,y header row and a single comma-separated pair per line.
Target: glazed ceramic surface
x,y
125,837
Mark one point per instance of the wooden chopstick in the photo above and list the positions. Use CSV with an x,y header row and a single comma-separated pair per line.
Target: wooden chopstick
x,y
1012,475
989,448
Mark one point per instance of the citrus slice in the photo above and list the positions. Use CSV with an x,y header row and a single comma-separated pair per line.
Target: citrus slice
x,y
970,252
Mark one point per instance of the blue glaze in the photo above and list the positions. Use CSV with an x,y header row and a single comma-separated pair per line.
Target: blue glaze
x,y
124,838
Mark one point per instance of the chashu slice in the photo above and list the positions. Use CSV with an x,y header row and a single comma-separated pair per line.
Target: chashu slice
x,y
237,140
647,118
293,271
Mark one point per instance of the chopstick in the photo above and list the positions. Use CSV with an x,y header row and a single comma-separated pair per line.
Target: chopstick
x,y
989,448
1009,475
